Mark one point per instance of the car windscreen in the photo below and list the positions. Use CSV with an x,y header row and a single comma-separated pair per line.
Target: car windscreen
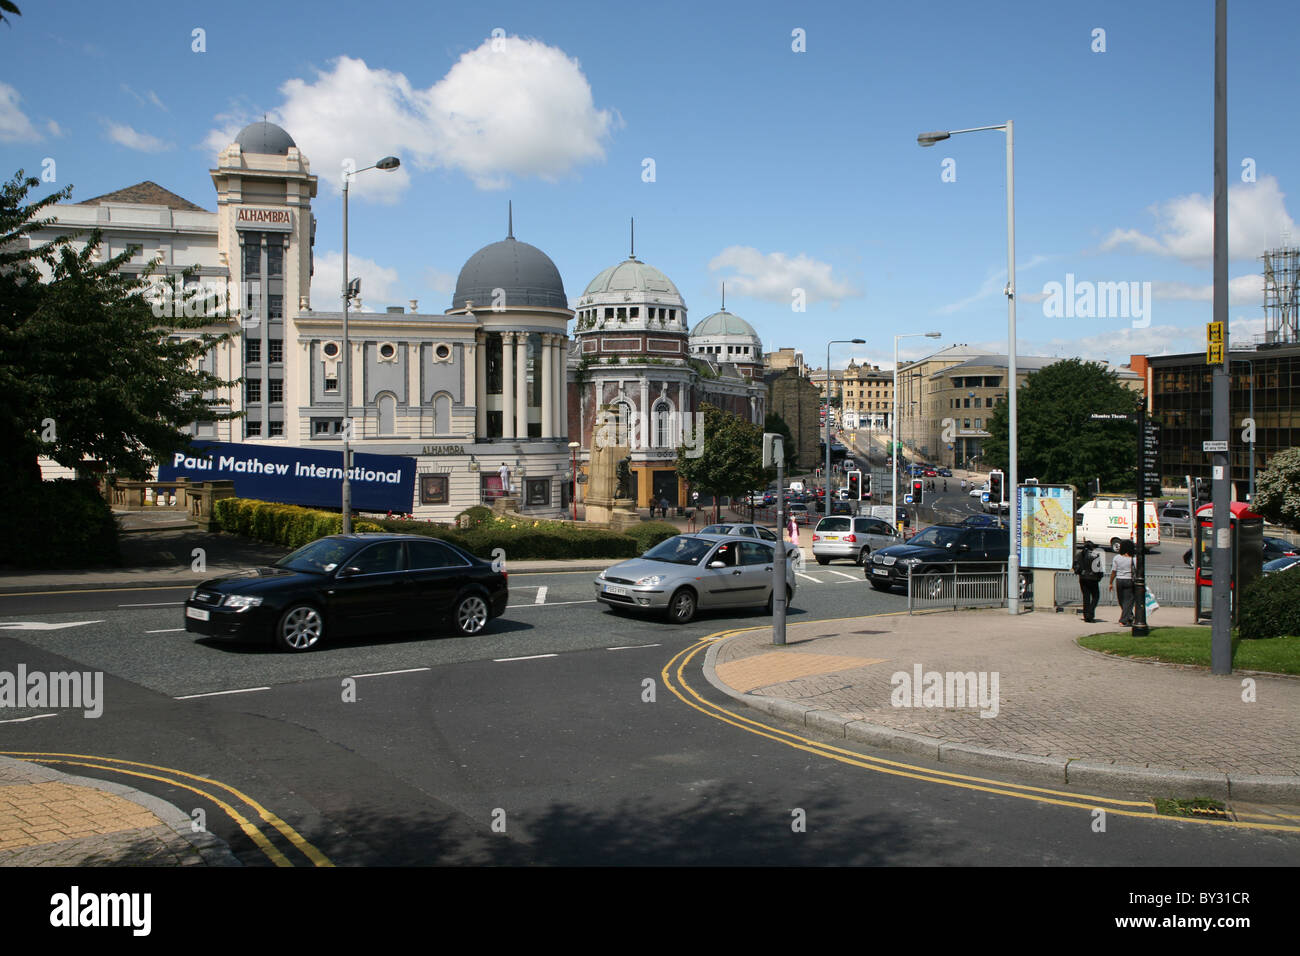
x,y
319,557
833,524
937,537
717,529
680,550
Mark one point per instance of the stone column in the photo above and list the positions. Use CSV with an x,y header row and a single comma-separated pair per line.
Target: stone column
x,y
644,415
507,385
548,387
478,352
521,385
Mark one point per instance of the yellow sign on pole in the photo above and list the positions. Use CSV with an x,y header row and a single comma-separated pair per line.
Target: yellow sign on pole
x,y
1214,343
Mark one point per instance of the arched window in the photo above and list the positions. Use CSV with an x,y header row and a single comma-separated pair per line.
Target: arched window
x,y
442,414
387,403
663,417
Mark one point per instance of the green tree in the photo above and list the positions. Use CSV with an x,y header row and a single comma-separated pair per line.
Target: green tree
x,y
1059,441
731,459
87,371
1277,490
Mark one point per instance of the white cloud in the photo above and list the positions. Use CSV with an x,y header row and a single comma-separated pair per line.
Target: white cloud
x,y
15,127
773,276
127,136
378,283
523,109
438,281
1243,290
1184,229
150,98
54,128
995,283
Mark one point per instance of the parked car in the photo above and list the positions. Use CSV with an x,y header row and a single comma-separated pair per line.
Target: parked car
x,y
980,521
800,512
978,492
1278,548
945,472
694,572
852,537
347,585
747,531
1281,564
941,548
1175,520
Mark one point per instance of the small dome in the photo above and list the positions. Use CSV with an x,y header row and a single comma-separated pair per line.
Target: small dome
x,y
723,323
265,138
525,273
633,277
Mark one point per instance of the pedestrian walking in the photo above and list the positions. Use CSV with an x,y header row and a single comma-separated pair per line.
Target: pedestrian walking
x,y
792,528
1088,566
1121,582
963,484
663,508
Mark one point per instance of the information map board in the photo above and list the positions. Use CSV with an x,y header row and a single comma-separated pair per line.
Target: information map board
x,y
1045,515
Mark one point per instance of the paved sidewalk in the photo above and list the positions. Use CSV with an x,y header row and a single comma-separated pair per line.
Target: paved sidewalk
x,y
50,818
1061,713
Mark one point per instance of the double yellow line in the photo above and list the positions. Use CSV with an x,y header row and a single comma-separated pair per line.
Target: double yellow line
x,y
178,778
673,676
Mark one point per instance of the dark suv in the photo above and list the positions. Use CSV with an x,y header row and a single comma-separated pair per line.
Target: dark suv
x,y
938,548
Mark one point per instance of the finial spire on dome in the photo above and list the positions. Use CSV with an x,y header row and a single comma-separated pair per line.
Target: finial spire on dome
x,y
510,219
724,296
632,254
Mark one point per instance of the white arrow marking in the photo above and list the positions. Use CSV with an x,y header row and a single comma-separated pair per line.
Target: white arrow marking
x,y
41,626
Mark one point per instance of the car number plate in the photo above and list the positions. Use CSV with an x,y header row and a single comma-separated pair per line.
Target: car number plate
x,y
197,613
615,589
832,537
884,572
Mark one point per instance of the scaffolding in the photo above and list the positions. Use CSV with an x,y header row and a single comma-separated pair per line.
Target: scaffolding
x,y
1281,272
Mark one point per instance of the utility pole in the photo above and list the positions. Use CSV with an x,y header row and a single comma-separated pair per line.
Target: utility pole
x,y
1221,600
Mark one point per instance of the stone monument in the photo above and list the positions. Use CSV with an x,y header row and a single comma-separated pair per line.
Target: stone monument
x,y
609,489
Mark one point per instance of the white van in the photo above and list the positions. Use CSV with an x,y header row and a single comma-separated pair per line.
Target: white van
x,y
796,488
1108,521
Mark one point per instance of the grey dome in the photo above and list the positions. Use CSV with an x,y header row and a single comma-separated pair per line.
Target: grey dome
x,y
265,138
525,273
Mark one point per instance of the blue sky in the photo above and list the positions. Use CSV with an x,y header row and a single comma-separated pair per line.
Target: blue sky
x,y
774,170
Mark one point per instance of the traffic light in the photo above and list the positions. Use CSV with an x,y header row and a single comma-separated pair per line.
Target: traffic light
x,y
1094,487
995,488
918,491
855,486
1203,491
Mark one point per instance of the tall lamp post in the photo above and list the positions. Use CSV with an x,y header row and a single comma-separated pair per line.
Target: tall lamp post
x,y
573,450
827,476
893,447
1013,473
388,163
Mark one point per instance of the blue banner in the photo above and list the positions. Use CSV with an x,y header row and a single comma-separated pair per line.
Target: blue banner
x,y
299,476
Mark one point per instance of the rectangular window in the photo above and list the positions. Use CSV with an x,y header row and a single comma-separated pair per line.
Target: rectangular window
x,y
331,386
253,350
252,255
979,423
252,392
276,390
277,429
275,306
276,349
326,427
636,312
253,429
538,491
274,258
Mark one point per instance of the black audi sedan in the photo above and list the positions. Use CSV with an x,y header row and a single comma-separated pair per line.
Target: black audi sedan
x,y
349,585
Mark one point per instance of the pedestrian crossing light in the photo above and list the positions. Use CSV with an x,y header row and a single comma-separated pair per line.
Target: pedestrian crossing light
x,y
995,488
918,491
855,486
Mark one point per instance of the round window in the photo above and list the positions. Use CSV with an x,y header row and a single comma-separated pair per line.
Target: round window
x,y
331,349
443,351
388,350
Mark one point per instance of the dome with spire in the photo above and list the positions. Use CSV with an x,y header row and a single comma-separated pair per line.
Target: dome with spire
x,y
525,275
725,337
265,138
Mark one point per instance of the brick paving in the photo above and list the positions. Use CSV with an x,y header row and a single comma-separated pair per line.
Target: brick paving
x,y
1055,699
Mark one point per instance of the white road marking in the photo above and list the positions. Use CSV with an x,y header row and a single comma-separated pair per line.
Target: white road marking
x,y
157,604
166,630
552,604
409,670
541,595
218,693
19,720
631,647
842,574
809,577
533,657
40,626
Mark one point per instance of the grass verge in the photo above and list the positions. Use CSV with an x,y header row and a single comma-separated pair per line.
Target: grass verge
x,y
1191,645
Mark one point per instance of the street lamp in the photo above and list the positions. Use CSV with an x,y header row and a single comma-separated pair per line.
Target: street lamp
x,y
827,476
387,164
573,450
893,447
1013,475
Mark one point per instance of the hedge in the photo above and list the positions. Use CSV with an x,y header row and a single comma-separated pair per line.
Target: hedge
x,y
482,534
1270,606
59,524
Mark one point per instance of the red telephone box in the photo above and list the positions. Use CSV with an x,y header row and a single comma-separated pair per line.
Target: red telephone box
x,y
1246,529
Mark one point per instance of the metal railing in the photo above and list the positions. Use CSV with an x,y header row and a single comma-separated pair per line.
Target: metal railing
x,y
1170,588
954,589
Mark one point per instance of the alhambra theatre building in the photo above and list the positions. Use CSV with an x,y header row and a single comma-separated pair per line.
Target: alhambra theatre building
x,y
441,399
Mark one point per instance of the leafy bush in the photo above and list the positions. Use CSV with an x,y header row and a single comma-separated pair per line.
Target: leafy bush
x,y
1270,606
475,516
60,524
288,525
649,533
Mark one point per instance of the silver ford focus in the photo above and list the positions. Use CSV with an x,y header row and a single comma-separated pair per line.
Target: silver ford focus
x,y
694,572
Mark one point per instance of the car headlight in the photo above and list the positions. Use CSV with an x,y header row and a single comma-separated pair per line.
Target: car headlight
x,y
910,562
601,575
649,580
241,602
